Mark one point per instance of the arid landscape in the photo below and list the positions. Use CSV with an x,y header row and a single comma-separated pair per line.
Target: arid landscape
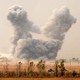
x,y
39,40
39,78
41,70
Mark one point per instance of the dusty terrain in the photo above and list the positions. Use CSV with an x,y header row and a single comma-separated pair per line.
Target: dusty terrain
x,y
69,66
39,78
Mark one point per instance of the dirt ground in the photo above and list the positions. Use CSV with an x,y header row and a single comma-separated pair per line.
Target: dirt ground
x,y
39,78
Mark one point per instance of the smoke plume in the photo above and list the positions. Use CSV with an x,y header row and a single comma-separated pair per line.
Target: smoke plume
x,y
34,48
25,46
59,23
22,25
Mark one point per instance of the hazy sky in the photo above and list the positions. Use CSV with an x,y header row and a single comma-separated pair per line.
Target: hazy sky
x,y
39,12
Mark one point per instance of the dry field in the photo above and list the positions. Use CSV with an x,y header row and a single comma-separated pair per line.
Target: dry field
x,y
68,66
39,78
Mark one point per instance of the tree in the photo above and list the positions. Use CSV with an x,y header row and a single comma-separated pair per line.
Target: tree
x,y
19,65
56,68
41,66
62,68
30,68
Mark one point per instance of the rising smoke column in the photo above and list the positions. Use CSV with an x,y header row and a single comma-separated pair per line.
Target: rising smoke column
x,y
22,25
27,47
59,23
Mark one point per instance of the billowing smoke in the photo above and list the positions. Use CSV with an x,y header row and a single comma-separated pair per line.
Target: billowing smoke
x,y
60,22
18,17
34,48
25,46
22,25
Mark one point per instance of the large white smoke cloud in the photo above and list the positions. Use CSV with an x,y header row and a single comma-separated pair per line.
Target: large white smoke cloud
x,y
27,47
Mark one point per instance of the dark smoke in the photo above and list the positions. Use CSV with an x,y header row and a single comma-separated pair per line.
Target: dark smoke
x,y
34,48
24,46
